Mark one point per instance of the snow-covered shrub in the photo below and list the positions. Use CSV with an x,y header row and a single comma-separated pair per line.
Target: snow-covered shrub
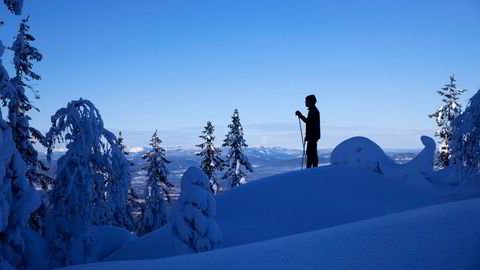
x,y
210,155
89,183
193,227
444,116
235,157
362,153
154,213
18,200
465,141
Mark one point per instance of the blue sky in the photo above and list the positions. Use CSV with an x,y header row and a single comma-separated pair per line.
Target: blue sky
x,y
173,65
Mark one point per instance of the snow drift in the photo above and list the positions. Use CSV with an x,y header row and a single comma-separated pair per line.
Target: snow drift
x,y
293,203
445,236
360,152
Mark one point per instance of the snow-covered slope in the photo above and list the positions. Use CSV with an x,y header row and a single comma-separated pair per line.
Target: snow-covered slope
x,y
445,236
296,202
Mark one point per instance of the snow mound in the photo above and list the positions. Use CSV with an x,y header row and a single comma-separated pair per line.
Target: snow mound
x,y
445,236
296,202
109,239
360,152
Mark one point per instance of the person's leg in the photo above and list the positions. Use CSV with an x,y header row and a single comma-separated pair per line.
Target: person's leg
x,y
310,154
314,154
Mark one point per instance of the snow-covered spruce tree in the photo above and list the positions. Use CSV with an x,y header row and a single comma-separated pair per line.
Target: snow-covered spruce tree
x,y
444,117
236,158
120,144
211,160
18,198
465,141
81,174
15,6
19,105
193,227
118,185
123,214
157,188
133,200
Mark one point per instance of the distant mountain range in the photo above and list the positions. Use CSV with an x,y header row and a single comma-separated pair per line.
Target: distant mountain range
x,y
266,161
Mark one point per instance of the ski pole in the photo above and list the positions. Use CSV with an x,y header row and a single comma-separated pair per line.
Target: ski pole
x,y
303,143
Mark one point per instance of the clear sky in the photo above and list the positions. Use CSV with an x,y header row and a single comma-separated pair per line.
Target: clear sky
x,y
173,65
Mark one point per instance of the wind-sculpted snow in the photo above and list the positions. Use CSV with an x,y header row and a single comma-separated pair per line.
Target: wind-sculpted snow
x,y
362,153
440,237
296,202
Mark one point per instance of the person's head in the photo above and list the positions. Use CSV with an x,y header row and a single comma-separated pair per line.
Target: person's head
x,y
310,101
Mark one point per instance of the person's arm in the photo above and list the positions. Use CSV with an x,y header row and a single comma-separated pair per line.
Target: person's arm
x,y
319,126
300,115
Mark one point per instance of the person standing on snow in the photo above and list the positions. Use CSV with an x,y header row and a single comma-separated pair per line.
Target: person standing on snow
x,y
312,133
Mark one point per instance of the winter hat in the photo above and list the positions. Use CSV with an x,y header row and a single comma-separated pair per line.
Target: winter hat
x,y
312,98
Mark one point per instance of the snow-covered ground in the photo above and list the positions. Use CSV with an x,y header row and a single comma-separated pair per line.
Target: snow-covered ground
x,y
445,236
347,216
364,211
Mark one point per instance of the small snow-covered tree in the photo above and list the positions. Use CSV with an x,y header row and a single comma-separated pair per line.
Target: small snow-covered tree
x,y
18,198
157,188
444,117
91,159
121,145
465,141
210,155
236,158
193,227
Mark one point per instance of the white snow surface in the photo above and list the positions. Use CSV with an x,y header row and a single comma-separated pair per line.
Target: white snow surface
x,y
109,239
445,236
360,152
297,202
362,212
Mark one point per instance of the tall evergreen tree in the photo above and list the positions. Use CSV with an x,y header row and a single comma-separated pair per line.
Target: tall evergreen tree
x,y
120,188
157,187
444,116
465,141
235,157
68,222
90,182
19,105
15,6
211,160
118,185
18,198
133,200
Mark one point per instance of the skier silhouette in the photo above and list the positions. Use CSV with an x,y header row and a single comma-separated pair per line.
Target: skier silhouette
x,y
312,133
